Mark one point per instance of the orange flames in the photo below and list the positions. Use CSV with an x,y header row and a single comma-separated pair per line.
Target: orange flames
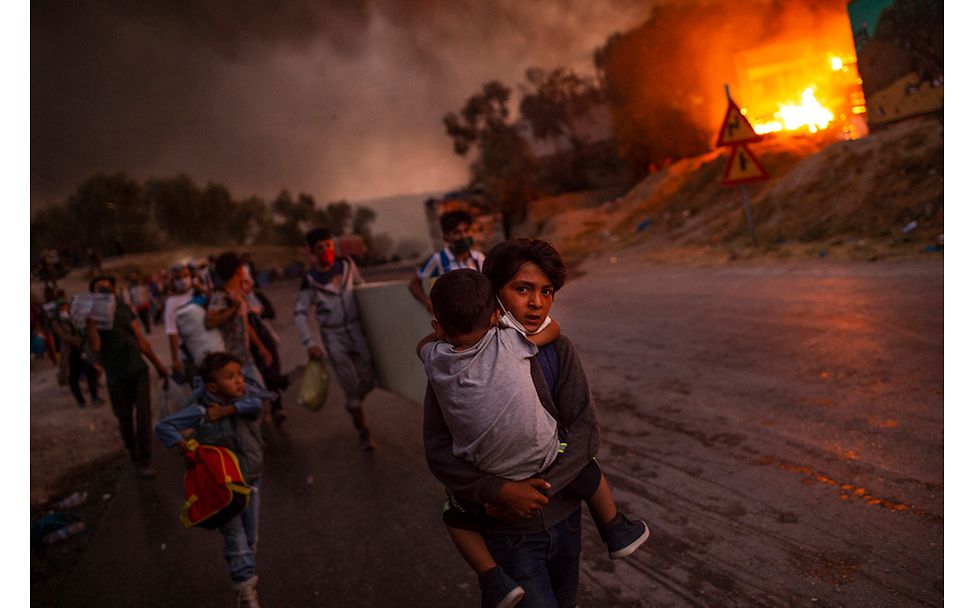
x,y
802,95
808,113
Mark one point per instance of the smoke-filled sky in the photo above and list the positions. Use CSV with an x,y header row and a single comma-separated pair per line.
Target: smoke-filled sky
x,y
339,99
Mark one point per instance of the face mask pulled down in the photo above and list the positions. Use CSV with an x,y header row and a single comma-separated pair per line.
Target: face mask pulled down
x,y
508,320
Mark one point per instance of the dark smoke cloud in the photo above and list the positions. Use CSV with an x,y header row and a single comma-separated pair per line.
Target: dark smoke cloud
x,y
340,99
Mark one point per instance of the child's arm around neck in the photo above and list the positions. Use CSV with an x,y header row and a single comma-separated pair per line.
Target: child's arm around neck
x,y
547,335
432,337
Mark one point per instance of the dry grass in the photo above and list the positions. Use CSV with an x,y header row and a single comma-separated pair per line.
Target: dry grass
x,y
844,199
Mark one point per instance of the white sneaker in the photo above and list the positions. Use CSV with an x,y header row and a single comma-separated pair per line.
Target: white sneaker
x,y
247,593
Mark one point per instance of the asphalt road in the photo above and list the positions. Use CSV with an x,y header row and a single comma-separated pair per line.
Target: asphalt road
x,y
779,428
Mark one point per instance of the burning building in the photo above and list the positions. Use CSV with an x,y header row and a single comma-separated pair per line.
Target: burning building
x,y
790,66
801,86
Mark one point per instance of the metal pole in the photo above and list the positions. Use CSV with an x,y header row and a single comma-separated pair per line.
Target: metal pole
x,y
747,198
747,214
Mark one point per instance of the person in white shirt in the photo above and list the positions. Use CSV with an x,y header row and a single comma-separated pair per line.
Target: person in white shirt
x,y
458,253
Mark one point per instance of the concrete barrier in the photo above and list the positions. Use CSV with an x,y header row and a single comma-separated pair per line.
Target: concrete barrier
x,y
394,322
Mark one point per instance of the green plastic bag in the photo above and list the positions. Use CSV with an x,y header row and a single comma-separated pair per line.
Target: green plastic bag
x,y
313,391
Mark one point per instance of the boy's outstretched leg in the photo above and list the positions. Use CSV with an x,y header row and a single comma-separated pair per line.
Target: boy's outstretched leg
x,y
238,551
497,589
618,533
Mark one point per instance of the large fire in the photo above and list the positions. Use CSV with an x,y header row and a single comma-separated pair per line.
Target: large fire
x,y
808,113
801,94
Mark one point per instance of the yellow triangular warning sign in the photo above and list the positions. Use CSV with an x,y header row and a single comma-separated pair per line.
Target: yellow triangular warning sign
x,y
735,129
742,166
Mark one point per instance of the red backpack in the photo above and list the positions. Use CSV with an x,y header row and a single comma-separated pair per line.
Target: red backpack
x,y
215,488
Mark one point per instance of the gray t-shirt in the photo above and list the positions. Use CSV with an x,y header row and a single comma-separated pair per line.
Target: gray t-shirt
x,y
491,406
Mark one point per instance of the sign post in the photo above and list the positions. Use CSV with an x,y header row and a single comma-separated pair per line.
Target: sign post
x,y
742,166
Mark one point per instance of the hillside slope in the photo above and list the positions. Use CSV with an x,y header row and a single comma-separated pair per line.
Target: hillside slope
x,y
851,199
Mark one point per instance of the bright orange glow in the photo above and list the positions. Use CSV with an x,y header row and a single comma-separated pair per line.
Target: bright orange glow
x,y
809,113
790,88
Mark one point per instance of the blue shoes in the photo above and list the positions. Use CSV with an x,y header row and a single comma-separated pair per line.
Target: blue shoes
x,y
623,536
498,590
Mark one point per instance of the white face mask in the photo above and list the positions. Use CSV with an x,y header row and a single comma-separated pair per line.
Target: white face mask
x,y
508,320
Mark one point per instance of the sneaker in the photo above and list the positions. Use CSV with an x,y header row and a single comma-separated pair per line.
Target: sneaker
x,y
247,593
500,590
624,536
365,441
146,472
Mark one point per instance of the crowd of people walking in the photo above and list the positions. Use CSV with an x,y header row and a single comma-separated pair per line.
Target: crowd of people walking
x,y
509,424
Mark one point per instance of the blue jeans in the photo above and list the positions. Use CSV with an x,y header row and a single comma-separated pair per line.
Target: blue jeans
x,y
544,563
240,538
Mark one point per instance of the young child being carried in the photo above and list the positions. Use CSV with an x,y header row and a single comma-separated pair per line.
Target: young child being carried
x,y
227,414
481,375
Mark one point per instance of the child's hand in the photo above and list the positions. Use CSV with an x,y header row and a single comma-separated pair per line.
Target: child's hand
x,y
189,455
214,412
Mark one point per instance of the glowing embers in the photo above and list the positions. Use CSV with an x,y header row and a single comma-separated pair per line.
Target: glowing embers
x,y
845,491
808,113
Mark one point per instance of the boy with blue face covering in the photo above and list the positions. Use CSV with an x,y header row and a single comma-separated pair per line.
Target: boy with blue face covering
x,y
456,227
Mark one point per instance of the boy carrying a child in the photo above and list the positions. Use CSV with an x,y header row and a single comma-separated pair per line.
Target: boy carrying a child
x,y
480,373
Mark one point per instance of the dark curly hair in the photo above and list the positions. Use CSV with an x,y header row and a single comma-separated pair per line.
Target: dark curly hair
x,y
315,235
214,362
452,219
506,259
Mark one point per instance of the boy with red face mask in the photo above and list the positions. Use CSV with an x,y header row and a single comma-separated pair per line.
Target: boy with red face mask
x,y
328,290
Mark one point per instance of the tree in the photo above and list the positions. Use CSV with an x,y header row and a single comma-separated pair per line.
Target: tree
x,y
337,217
287,230
505,167
556,104
176,204
109,214
484,112
250,216
362,222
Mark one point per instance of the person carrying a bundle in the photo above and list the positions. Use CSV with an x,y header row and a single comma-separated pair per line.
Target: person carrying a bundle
x,y
328,292
225,412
